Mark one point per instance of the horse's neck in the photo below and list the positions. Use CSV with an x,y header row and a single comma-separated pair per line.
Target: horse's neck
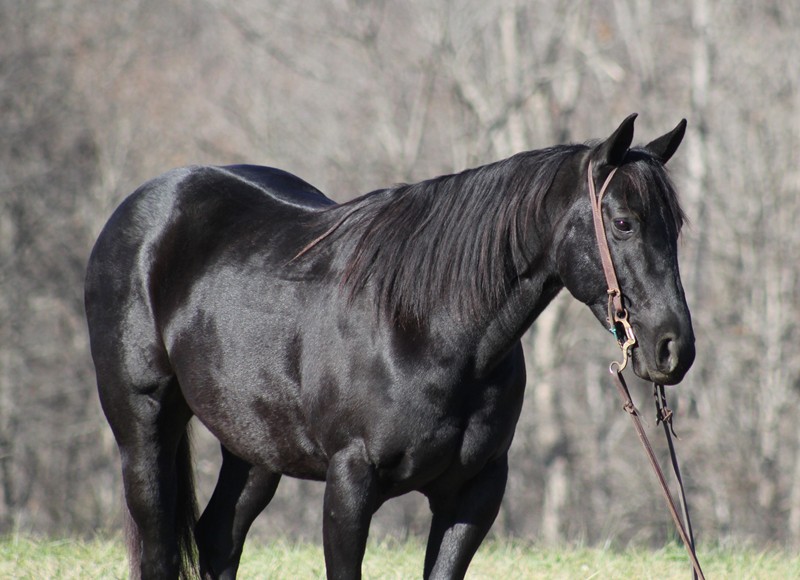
x,y
529,297
496,328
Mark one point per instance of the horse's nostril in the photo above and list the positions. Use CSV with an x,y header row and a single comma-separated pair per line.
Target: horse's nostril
x,y
667,354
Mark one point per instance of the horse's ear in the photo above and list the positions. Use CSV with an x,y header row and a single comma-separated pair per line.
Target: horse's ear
x,y
665,146
612,151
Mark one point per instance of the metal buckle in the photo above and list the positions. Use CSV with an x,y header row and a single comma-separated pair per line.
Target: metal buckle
x,y
625,338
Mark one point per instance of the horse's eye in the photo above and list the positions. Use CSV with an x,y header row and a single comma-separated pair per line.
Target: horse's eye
x,y
623,225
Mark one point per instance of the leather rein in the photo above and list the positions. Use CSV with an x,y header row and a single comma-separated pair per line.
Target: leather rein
x,y
623,332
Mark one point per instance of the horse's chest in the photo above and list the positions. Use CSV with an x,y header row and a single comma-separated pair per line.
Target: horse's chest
x,y
457,445
484,437
487,434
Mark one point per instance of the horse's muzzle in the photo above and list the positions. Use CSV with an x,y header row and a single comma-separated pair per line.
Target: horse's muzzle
x,y
672,357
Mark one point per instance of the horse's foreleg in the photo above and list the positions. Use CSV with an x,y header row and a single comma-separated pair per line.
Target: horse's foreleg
x,y
461,521
350,501
242,492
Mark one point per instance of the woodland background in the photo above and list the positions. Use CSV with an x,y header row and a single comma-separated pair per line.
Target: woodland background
x,y
96,97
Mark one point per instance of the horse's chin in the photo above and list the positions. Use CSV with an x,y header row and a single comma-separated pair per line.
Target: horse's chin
x,y
639,365
643,370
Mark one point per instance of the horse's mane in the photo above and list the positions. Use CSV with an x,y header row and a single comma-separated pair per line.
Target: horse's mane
x,y
455,241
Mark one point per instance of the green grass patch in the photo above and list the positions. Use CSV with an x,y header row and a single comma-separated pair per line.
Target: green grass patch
x,y
27,558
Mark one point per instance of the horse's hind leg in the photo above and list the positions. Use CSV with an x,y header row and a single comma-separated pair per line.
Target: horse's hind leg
x,y
151,431
242,492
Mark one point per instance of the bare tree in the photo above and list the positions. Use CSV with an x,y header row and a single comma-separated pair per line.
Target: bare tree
x,y
96,98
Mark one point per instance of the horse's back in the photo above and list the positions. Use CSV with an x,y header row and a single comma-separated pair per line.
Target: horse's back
x,y
281,185
196,198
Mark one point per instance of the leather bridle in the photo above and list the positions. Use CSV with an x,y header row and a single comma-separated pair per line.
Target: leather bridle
x,y
626,339
617,313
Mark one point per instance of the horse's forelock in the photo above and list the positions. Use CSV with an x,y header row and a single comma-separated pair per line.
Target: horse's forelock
x,y
649,180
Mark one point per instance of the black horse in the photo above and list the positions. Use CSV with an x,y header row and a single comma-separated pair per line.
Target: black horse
x,y
374,344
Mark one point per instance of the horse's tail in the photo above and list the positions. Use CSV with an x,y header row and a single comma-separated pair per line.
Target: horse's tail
x,y
185,517
186,508
133,542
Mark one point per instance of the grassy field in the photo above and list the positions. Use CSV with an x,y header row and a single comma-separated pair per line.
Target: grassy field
x,y
22,557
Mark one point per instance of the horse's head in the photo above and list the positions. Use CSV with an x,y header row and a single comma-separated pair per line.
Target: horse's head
x,y
642,221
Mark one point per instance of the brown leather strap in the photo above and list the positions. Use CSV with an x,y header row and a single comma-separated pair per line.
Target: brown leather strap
x,y
664,416
618,315
614,292
686,536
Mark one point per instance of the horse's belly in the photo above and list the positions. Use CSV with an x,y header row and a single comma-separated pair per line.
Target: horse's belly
x,y
273,436
257,416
